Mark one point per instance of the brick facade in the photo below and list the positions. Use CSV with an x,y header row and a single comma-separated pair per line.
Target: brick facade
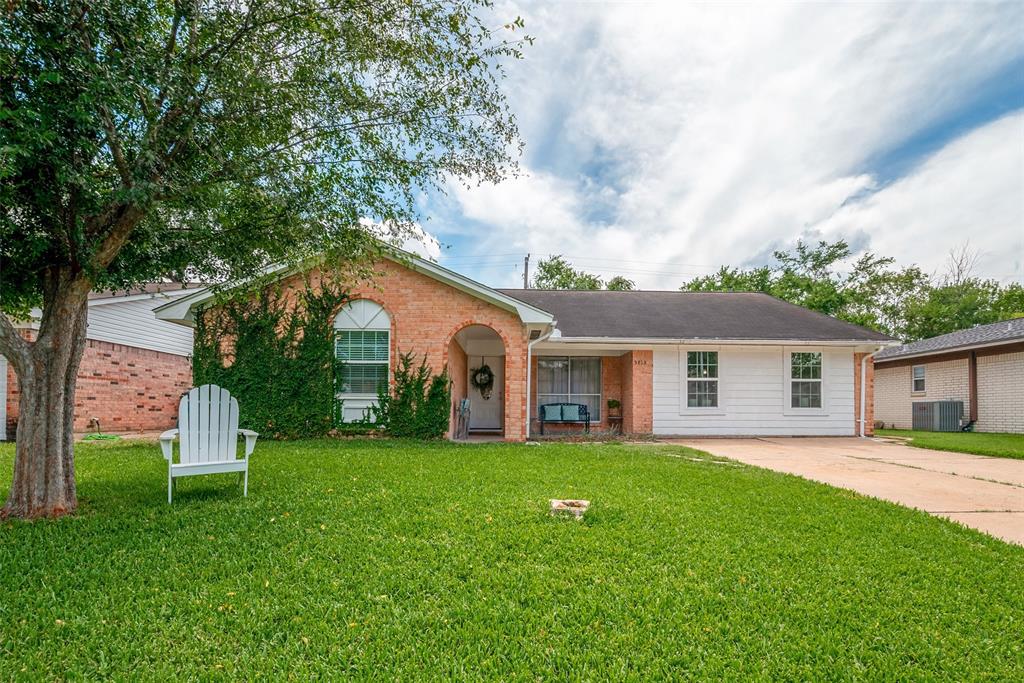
x,y
425,317
1001,393
946,379
869,412
1000,387
126,388
638,392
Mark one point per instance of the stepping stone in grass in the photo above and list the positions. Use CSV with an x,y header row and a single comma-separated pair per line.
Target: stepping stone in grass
x,y
566,508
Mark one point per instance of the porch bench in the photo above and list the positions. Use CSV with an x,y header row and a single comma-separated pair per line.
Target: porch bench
x,y
565,413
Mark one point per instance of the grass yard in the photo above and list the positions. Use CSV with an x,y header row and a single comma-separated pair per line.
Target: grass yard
x,y
978,443
393,560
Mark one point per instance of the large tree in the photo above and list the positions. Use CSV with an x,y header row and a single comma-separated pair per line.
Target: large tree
x,y
142,140
870,292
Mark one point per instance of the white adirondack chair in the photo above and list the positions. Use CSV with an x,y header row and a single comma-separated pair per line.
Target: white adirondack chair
x,y
208,437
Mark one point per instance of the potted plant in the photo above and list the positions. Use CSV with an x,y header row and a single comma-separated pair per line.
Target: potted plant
x,y
614,407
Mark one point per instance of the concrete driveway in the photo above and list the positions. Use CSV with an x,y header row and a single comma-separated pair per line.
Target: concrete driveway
x,y
980,492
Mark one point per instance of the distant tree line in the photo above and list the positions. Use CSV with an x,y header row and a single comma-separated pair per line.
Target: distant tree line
x,y
905,303
557,273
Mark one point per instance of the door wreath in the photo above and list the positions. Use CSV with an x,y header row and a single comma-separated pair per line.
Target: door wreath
x,y
483,379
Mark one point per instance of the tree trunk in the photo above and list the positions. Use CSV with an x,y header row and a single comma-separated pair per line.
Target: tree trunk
x,y
44,461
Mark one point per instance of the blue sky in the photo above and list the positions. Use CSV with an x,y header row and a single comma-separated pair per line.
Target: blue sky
x,y
665,139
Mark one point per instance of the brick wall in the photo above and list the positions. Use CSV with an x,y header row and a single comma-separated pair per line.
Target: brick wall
x,y
869,413
1001,393
458,370
426,315
945,379
127,388
638,392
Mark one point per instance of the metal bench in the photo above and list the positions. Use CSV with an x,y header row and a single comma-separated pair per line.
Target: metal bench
x,y
565,413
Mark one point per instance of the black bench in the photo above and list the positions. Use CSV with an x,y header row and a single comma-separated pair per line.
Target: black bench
x,y
565,413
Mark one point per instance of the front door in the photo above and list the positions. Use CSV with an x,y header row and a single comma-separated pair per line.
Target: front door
x,y
487,413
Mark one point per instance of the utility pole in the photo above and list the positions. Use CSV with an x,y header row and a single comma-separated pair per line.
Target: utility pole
x,y
526,272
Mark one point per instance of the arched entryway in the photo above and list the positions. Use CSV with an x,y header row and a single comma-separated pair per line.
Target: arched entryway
x,y
476,358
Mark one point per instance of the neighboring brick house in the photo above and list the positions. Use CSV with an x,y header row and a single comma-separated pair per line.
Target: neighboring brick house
x,y
982,366
134,368
679,362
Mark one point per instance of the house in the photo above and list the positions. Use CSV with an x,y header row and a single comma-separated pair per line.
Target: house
x,y
688,363
982,366
134,368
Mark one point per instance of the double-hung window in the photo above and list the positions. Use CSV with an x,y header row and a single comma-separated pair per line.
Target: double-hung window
x,y
805,379
364,360
702,379
918,379
570,379
362,347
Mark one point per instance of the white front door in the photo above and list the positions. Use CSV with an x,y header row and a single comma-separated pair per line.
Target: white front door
x,y
487,413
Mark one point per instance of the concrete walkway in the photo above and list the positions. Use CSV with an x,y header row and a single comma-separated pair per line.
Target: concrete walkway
x,y
980,492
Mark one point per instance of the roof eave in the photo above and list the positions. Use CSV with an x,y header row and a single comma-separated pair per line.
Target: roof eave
x,y
182,311
651,341
950,349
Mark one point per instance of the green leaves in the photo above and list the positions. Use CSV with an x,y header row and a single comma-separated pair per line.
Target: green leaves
x,y
139,138
901,302
273,349
557,273
418,404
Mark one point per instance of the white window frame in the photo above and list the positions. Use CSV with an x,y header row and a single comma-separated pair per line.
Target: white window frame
x,y
923,379
685,379
362,315
787,379
569,392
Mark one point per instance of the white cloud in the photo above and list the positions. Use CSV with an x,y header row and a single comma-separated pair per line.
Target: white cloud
x,y
415,239
943,204
699,134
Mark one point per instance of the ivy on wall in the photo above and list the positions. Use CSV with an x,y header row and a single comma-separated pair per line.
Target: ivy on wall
x,y
275,354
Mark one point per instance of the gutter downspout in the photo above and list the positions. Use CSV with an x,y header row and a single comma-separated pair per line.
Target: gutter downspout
x,y
864,390
529,370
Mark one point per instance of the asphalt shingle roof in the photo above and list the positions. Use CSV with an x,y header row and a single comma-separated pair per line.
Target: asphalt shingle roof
x,y
687,315
1005,331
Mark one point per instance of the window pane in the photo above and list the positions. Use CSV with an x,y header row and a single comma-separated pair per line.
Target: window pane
x,y
362,345
553,376
919,372
806,395
368,378
585,375
805,365
702,394
593,404
702,364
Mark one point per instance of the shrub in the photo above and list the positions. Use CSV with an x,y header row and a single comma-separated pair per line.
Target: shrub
x,y
418,405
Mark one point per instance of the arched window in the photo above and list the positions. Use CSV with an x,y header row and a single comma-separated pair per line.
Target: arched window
x,y
362,343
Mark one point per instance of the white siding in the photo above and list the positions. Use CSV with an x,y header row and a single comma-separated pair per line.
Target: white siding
x,y
752,391
132,323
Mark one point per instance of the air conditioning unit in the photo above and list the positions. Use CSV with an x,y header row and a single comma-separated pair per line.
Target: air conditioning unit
x,y
938,416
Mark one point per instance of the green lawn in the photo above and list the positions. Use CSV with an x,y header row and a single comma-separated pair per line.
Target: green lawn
x,y
395,560
978,443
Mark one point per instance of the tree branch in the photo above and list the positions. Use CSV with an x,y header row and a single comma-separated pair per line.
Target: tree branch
x,y
115,147
13,346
